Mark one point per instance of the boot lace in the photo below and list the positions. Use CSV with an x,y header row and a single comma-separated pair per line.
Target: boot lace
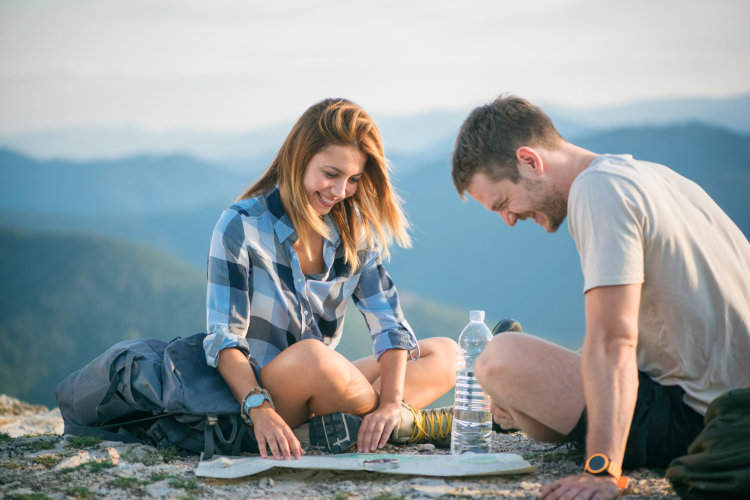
x,y
428,424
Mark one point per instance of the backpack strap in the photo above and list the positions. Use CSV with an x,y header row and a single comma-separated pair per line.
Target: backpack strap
x,y
114,383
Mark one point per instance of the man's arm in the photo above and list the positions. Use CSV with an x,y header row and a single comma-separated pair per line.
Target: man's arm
x,y
610,372
610,385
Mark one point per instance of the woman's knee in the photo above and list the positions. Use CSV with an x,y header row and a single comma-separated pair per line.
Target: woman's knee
x,y
438,346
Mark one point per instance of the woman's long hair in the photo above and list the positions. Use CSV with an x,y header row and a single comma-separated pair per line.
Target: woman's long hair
x,y
373,215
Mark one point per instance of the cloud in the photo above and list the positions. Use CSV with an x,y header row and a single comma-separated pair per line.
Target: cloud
x,y
232,65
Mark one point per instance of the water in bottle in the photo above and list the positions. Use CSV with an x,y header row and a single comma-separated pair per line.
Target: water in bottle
x,y
472,420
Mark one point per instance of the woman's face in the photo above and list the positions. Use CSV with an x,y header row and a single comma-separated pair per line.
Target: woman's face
x,y
333,175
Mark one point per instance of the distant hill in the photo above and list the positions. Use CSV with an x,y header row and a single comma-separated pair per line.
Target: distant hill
x,y
65,299
462,254
133,186
423,134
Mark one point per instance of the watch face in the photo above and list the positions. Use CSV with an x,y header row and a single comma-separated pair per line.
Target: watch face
x,y
255,400
597,463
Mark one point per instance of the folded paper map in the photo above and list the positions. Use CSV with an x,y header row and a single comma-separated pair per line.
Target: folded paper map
x,y
421,465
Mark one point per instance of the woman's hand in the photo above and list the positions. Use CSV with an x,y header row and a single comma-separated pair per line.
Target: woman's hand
x,y
377,427
502,417
270,429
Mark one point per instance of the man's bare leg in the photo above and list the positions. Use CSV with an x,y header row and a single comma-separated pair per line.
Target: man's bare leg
x,y
538,383
427,378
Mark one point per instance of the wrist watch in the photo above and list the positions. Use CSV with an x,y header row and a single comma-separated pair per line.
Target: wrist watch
x,y
254,399
599,464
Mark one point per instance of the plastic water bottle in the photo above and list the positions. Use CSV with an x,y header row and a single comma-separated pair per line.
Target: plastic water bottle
x,y
472,421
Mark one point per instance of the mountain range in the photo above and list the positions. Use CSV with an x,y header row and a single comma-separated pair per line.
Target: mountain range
x,y
65,299
422,135
462,254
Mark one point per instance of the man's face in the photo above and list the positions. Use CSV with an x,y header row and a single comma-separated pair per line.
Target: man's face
x,y
529,199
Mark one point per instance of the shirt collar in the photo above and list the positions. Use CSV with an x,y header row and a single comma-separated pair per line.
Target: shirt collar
x,y
283,225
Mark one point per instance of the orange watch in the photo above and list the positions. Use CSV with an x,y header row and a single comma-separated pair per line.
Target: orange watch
x,y
599,464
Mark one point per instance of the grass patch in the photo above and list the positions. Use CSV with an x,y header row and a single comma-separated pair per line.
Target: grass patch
x,y
342,495
93,467
661,472
99,466
78,492
386,496
530,456
23,496
4,438
47,460
185,484
80,442
124,482
165,455
40,434
575,455
10,465
39,445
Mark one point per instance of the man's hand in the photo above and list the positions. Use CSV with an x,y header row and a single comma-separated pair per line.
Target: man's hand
x,y
270,429
377,427
502,417
581,487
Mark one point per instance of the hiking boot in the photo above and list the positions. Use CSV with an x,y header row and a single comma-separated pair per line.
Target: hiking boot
x,y
302,433
424,426
334,433
506,325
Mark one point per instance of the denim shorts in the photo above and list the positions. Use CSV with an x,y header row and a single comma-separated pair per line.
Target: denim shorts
x,y
662,429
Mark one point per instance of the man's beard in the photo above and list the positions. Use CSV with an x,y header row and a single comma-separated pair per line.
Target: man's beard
x,y
548,202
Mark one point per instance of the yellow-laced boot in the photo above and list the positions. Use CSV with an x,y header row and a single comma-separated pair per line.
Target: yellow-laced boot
x,y
424,426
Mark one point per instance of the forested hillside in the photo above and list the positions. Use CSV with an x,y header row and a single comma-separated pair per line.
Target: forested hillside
x,y
65,299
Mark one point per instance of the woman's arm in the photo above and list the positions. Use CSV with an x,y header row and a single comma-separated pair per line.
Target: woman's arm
x,y
377,427
269,428
228,304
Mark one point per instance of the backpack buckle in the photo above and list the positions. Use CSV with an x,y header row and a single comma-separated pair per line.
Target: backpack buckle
x,y
211,420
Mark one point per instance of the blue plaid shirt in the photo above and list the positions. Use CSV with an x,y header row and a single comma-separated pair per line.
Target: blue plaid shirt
x,y
260,302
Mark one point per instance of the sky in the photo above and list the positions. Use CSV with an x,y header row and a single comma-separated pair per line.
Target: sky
x,y
234,65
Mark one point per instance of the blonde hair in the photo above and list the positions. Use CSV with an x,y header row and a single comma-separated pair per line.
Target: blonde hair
x,y
373,215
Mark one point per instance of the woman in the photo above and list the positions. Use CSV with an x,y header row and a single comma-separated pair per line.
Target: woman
x,y
284,260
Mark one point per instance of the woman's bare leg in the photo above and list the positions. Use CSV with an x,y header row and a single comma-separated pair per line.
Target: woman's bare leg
x,y
427,378
311,378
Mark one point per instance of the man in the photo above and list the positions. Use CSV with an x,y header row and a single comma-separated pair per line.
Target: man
x,y
667,297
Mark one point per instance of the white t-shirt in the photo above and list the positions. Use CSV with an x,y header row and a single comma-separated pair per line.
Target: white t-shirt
x,y
639,222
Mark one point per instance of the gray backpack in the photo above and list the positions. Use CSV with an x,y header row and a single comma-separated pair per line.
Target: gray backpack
x,y
148,391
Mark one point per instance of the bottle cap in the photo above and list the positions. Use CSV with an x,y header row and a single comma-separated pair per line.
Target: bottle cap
x,y
476,315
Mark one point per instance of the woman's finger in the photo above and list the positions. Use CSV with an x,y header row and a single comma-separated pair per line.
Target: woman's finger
x,y
294,445
262,445
283,444
387,431
365,431
376,433
271,439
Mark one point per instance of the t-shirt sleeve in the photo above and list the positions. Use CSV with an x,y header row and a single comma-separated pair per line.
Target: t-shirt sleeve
x,y
607,219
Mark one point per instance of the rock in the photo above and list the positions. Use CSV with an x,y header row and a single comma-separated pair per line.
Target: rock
x,y
265,482
425,447
433,490
12,406
85,456
162,489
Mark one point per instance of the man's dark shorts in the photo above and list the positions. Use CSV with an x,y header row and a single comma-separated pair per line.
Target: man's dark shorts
x,y
663,426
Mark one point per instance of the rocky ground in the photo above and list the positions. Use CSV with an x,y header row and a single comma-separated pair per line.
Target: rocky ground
x,y
36,462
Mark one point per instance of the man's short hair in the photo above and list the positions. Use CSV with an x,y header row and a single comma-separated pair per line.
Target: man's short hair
x,y
491,135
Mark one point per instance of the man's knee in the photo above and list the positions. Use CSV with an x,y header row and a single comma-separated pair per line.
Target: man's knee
x,y
498,361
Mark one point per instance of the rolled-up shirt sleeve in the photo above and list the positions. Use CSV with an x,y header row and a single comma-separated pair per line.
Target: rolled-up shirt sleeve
x,y
228,293
377,299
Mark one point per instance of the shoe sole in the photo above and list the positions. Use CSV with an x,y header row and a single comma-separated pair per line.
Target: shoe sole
x,y
334,433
